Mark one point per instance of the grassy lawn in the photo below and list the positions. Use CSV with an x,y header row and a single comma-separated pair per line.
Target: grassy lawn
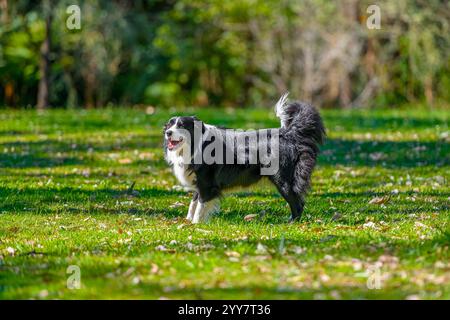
x,y
376,223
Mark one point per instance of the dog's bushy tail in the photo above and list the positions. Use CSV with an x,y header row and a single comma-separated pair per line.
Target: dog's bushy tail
x,y
303,126
300,119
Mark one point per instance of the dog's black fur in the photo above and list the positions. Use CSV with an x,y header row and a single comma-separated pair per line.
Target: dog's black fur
x,y
300,135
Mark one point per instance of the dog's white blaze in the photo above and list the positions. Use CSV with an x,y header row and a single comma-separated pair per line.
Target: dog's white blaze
x,y
204,209
177,134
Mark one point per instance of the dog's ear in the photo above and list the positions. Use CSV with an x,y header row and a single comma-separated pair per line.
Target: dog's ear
x,y
168,124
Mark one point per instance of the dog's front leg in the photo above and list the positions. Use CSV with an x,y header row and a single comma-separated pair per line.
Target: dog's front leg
x,y
192,207
204,209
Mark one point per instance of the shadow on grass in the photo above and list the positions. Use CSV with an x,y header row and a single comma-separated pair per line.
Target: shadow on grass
x,y
399,154
117,288
98,275
368,122
14,133
272,209
37,200
388,154
47,153
19,160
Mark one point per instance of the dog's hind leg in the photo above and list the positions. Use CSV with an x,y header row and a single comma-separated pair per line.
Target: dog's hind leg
x,y
295,200
192,207
296,204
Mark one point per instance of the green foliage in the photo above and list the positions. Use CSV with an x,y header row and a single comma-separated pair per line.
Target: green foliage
x,y
229,53
379,200
18,60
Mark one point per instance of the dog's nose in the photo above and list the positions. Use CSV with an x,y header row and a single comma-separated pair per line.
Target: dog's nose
x,y
169,133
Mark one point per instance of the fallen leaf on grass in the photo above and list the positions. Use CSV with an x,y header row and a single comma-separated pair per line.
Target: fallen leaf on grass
x,y
43,294
124,241
327,257
297,250
421,225
413,297
176,205
327,238
370,225
250,217
324,277
128,272
379,200
13,229
125,161
336,216
164,249
389,260
356,264
204,231
154,269
150,110
261,249
233,254
376,156
136,280
440,265
335,295
146,155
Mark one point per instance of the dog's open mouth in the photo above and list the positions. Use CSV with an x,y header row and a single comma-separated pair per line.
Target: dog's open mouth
x,y
171,144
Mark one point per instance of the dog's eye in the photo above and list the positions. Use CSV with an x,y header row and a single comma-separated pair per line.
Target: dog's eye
x,y
169,124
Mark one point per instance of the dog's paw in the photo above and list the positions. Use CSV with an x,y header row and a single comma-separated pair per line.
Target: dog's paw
x,y
198,220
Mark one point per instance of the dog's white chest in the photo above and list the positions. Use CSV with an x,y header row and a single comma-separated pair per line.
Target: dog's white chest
x,y
185,177
180,170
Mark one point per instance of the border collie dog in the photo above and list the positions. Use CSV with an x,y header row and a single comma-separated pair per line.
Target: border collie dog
x,y
209,160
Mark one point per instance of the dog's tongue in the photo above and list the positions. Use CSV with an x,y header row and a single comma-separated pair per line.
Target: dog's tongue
x,y
172,143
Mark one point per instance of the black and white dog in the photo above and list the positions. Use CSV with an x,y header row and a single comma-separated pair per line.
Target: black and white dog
x,y
209,160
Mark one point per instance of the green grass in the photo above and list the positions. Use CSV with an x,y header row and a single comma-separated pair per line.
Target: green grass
x,y
65,200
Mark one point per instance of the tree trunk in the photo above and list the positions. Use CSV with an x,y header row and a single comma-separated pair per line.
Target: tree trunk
x,y
44,65
429,90
4,11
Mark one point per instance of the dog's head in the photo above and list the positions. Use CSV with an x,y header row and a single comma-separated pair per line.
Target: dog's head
x,y
179,131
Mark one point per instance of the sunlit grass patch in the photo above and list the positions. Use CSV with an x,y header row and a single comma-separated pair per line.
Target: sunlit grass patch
x,y
377,212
